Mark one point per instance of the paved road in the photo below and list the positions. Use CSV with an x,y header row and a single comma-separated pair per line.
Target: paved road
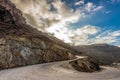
x,y
56,71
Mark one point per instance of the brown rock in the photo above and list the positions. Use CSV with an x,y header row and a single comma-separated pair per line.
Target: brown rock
x,y
20,44
19,51
85,65
14,12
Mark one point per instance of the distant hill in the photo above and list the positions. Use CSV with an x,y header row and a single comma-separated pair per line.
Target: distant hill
x,y
104,53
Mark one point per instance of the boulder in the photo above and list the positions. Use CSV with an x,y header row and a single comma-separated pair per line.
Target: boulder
x,y
85,65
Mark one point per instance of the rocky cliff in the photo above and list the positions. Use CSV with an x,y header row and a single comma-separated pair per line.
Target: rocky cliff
x,y
14,12
20,44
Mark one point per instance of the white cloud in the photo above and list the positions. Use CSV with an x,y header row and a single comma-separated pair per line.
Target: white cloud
x,y
114,1
76,37
116,33
54,16
98,8
90,7
38,13
45,13
79,2
108,37
107,12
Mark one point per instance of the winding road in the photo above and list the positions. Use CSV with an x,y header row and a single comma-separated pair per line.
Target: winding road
x,y
57,71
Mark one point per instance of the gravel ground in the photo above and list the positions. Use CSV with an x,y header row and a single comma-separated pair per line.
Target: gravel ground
x,y
54,71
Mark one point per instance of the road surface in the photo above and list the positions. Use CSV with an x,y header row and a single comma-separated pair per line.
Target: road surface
x,y
56,71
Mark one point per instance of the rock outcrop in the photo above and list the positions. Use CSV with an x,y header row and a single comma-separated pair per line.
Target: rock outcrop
x,y
85,65
20,44
18,51
14,12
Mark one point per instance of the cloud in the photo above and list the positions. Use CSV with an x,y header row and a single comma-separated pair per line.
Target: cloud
x,y
90,7
77,37
108,36
55,17
116,33
45,13
114,1
79,3
98,8
107,12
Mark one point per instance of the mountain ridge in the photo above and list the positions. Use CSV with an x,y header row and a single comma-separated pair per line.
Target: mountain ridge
x,y
104,53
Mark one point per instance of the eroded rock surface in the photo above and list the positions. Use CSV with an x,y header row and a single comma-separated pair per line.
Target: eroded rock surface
x,y
85,65
15,13
20,44
18,51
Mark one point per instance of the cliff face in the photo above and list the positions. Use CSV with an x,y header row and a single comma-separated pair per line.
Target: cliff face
x,y
21,50
15,13
20,44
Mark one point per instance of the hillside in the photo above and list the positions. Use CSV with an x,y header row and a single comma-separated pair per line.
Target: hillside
x,y
21,44
106,54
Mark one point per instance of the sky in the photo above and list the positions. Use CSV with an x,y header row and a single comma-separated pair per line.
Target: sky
x,y
77,22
